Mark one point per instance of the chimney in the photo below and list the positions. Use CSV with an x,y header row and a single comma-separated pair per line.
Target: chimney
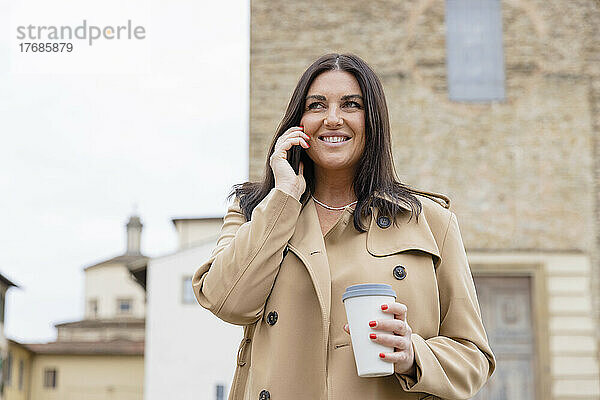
x,y
134,235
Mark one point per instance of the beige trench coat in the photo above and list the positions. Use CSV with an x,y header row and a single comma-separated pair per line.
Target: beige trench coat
x,y
276,261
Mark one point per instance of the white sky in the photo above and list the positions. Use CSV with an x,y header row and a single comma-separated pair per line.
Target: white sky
x,y
160,122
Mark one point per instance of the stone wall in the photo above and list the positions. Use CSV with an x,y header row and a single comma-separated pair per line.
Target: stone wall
x,y
523,175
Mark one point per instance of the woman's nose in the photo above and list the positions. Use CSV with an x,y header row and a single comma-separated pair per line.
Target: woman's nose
x,y
333,117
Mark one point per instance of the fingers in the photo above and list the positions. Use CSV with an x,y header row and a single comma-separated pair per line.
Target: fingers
x,y
398,357
282,146
397,326
398,309
294,131
398,342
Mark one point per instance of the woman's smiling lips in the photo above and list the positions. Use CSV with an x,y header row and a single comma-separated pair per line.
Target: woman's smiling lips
x,y
334,138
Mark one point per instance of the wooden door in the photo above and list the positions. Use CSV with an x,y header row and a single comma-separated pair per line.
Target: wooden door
x,y
507,316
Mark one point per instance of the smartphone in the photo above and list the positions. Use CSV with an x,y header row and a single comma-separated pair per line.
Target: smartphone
x,y
293,157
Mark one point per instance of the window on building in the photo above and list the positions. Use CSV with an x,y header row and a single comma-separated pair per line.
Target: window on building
x,y
93,305
475,58
220,392
8,378
188,292
124,306
21,373
50,377
2,297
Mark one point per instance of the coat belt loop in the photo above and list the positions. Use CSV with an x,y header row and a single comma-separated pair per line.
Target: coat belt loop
x,y
241,362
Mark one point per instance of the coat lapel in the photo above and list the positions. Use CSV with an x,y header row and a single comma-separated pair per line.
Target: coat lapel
x,y
307,243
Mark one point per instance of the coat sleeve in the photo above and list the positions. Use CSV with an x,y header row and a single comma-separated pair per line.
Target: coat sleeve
x,y
456,363
236,280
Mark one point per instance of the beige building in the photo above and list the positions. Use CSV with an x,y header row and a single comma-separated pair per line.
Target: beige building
x,y
18,372
497,105
99,357
5,355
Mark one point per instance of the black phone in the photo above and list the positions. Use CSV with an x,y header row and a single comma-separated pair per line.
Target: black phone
x,y
293,157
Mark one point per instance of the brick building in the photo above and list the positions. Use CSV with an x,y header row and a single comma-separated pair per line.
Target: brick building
x,y
497,105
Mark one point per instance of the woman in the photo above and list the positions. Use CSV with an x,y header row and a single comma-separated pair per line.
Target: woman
x,y
291,243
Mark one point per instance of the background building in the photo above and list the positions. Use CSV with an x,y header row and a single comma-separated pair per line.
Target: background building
x,y
99,357
497,105
5,355
188,349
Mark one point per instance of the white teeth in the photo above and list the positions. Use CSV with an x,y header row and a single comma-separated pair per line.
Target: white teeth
x,y
334,139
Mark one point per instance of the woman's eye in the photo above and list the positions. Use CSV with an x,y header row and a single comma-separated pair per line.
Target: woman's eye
x,y
354,102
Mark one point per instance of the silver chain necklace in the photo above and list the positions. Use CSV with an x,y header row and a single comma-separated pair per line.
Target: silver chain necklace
x,y
332,208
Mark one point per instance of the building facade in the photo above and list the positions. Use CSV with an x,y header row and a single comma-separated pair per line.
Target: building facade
x,y
6,360
17,372
189,351
495,104
100,356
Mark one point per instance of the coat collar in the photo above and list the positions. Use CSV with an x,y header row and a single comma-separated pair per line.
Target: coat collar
x,y
408,235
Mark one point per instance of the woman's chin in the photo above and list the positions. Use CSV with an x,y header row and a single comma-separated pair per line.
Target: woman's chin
x,y
333,165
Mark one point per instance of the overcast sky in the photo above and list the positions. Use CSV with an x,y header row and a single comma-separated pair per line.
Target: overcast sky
x,y
159,122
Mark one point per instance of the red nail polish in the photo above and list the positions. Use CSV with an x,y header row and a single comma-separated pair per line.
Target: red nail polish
x,y
372,324
381,355
384,306
372,336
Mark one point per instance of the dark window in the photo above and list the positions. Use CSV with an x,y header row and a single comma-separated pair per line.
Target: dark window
x,y
2,307
21,373
474,54
50,377
9,369
94,308
124,306
220,392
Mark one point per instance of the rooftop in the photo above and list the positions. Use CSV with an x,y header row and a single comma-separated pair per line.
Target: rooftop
x,y
109,347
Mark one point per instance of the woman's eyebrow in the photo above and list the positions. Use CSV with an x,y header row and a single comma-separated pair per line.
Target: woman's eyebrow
x,y
346,97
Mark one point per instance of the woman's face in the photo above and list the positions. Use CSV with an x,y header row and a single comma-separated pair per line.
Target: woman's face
x,y
334,118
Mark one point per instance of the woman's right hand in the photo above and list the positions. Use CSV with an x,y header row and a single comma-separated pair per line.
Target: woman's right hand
x,y
285,177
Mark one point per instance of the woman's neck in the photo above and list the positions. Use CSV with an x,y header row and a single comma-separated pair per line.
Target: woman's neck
x,y
334,187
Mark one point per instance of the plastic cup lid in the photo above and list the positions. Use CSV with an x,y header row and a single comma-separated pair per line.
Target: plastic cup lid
x,y
368,289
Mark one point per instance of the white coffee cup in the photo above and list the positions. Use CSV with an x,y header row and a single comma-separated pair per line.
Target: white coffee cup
x,y
363,304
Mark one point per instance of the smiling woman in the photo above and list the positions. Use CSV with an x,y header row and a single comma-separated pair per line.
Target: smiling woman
x,y
287,250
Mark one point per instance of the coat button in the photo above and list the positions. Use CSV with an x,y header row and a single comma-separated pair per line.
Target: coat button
x,y
264,395
383,221
400,272
272,318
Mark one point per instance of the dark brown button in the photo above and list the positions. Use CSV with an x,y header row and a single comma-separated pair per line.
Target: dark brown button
x,y
264,395
399,272
383,222
272,318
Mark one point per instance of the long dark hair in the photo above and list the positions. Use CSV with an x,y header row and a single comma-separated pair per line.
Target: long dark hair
x,y
375,177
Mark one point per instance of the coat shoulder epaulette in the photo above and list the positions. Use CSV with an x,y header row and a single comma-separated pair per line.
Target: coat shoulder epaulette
x,y
439,198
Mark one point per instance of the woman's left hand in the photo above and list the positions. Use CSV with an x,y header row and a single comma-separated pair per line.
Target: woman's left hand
x,y
400,338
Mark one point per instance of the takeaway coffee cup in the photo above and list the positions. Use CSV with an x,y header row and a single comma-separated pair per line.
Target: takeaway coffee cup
x,y
363,304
